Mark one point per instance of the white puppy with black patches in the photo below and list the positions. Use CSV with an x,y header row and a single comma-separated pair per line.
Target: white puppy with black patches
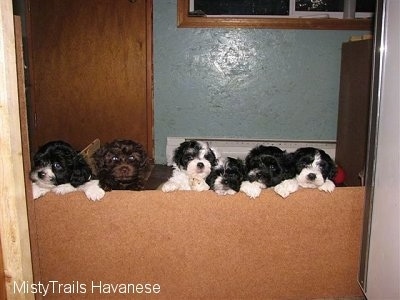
x,y
314,169
191,160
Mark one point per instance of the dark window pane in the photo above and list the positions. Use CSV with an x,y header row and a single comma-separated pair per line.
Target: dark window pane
x,y
365,5
242,7
274,7
319,5
333,5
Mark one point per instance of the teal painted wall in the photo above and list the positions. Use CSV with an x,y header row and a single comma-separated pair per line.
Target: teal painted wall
x,y
244,83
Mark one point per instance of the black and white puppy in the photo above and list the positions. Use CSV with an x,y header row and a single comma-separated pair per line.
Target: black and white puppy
x,y
226,178
313,167
266,166
192,159
57,167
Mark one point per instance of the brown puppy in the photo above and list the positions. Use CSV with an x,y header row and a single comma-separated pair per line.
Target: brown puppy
x,y
121,165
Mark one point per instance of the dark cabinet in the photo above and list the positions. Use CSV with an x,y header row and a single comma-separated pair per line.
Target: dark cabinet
x,y
353,115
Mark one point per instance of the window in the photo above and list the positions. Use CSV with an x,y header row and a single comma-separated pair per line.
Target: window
x,y
282,8
304,14
239,7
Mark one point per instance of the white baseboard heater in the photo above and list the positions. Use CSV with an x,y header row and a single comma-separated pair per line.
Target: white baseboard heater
x,y
236,147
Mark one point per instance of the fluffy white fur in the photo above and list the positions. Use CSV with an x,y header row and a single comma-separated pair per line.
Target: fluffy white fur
x,y
252,189
91,189
289,186
178,181
192,169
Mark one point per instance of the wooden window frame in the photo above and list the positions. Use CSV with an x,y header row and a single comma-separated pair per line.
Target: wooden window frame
x,y
186,21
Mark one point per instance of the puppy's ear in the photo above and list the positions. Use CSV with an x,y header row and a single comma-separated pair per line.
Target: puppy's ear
x,y
242,167
216,153
288,164
330,168
81,172
333,171
212,155
178,154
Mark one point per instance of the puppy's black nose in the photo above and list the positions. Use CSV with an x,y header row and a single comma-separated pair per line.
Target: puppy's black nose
x,y
41,174
311,176
200,165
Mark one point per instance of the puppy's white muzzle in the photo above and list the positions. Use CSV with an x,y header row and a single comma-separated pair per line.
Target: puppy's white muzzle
x,y
44,177
199,167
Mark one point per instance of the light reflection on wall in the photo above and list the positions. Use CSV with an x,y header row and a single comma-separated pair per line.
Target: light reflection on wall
x,y
246,83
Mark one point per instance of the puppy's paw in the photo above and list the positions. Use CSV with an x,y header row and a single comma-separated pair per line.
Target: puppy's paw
x,y
281,190
250,189
38,191
169,187
328,186
63,189
286,187
93,191
225,192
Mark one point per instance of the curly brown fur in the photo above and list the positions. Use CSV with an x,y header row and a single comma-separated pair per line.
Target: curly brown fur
x,y
121,165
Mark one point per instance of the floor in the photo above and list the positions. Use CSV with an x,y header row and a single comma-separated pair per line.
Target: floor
x,y
158,174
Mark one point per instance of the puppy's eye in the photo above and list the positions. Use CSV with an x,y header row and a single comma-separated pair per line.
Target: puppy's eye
x,y
115,158
131,158
302,164
57,166
272,167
